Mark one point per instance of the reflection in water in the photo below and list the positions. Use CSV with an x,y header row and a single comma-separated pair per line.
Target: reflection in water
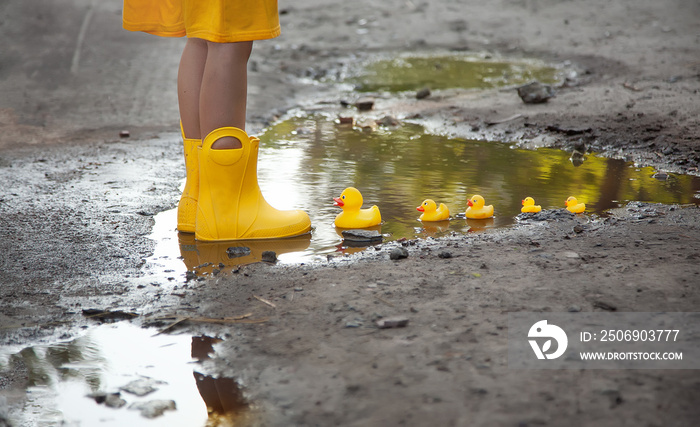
x,y
476,225
225,402
305,161
413,72
205,257
110,356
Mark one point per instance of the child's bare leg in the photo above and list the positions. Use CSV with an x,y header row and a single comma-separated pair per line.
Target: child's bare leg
x,y
189,84
224,90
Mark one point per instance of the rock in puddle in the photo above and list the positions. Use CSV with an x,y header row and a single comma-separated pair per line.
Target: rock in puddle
x,y
154,408
269,256
362,236
142,386
237,251
111,400
365,103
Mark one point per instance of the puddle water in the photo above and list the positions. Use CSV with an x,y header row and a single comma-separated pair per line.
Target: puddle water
x,y
111,357
413,72
305,161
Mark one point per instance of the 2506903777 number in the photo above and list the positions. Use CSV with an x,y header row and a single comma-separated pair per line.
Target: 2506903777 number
x,y
639,335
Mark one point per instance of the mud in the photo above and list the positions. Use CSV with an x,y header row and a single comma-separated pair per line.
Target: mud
x,y
78,205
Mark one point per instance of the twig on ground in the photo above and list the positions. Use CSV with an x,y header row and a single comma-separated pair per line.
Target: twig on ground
x,y
263,300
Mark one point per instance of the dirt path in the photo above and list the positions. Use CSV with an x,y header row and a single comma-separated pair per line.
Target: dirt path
x,y
79,201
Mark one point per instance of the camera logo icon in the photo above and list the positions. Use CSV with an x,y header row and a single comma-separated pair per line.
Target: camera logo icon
x,y
543,330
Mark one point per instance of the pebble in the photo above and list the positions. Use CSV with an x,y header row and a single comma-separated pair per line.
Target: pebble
x,y
343,120
573,309
353,323
141,387
535,93
398,253
112,400
365,236
392,322
388,121
365,103
154,408
238,251
269,256
604,306
423,93
445,255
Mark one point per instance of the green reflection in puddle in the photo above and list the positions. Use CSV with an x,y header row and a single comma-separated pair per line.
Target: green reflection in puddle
x,y
449,71
397,169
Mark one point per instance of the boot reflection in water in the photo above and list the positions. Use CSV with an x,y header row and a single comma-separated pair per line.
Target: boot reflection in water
x,y
204,257
223,396
222,199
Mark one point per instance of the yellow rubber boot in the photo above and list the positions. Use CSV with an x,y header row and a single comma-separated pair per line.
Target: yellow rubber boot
x,y
187,208
230,205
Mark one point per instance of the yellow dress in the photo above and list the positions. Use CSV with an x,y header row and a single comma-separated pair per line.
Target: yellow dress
x,y
220,21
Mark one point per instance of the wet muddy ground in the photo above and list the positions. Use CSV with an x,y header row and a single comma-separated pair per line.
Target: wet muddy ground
x,y
299,338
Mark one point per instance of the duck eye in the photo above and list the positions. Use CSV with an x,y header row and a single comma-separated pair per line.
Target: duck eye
x,y
343,197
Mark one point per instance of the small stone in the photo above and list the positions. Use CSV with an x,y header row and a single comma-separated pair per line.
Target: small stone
x,y
573,309
298,289
578,229
141,387
346,120
388,121
237,251
423,93
269,256
356,323
398,253
535,93
364,236
124,134
365,103
661,176
154,408
604,306
392,322
445,255
571,254
114,400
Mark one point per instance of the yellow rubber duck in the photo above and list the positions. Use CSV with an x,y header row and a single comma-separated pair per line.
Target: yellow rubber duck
x,y
352,216
431,212
530,206
477,210
572,205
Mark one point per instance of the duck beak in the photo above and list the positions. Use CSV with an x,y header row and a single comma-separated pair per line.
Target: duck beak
x,y
469,203
338,202
523,202
420,208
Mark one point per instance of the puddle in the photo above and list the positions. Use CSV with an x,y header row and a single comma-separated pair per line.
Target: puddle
x,y
305,161
465,71
111,356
